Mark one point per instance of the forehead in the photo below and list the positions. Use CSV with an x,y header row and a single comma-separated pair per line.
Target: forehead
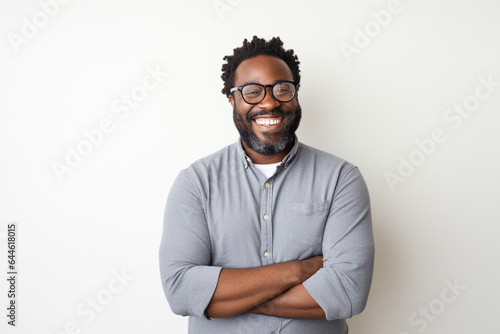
x,y
262,69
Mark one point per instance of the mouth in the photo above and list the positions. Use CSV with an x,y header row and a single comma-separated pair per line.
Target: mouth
x,y
268,122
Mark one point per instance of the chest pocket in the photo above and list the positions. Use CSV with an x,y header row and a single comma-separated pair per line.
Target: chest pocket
x,y
307,222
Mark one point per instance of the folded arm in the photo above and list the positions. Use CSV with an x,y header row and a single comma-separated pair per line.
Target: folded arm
x,y
294,303
239,290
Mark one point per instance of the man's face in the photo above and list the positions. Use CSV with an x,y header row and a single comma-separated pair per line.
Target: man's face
x,y
268,127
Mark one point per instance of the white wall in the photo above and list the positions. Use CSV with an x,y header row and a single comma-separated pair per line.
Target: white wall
x,y
438,225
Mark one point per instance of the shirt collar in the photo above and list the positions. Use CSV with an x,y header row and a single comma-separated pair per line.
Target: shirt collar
x,y
285,162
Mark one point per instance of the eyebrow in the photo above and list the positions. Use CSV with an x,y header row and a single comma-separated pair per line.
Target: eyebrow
x,y
258,83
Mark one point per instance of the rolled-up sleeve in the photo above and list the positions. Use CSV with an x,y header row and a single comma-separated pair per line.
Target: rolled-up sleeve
x,y
341,287
188,279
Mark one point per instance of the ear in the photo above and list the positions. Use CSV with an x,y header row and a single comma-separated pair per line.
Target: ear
x,y
231,100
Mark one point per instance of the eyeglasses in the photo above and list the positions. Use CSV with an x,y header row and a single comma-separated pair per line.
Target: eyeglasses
x,y
253,93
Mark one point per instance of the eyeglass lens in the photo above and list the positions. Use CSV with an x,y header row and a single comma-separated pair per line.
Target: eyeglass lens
x,y
282,91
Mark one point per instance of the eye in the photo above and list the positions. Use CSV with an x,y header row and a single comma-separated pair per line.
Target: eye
x,y
284,88
252,90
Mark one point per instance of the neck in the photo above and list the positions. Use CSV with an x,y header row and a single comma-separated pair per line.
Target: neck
x,y
262,159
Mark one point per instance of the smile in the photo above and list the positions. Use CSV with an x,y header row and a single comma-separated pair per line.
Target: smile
x,y
267,121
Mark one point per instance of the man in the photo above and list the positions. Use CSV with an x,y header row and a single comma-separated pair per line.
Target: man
x,y
267,235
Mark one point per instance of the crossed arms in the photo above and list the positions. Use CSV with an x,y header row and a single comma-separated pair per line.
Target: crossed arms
x,y
273,290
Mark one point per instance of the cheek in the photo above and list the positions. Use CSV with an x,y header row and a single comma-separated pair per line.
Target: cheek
x,y
291,108
239,117
242,110
293,104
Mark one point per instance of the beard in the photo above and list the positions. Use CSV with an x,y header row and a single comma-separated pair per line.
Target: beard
x,y
271,146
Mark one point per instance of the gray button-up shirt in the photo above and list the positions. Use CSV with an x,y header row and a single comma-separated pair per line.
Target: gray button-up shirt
x,y
223,212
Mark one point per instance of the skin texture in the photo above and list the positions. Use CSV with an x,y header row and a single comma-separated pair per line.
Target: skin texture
x,y
274,289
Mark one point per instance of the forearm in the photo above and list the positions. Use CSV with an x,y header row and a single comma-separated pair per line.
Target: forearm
x,y
293,303
239,290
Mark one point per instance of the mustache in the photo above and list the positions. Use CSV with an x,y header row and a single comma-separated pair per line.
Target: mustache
x,y
272,113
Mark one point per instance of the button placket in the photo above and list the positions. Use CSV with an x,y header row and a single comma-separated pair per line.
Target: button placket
x,y
266,221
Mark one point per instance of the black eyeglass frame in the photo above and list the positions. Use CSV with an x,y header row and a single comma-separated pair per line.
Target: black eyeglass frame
x,y
240,88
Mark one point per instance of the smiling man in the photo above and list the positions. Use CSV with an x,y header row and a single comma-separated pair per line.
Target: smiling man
x,y
267,235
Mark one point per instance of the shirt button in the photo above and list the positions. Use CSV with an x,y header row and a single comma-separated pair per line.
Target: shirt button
x,y
266,254
266,217
267,186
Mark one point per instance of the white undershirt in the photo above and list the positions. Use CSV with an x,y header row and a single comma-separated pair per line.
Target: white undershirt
x,y
268,169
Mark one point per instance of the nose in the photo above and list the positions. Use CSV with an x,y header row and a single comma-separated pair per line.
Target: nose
x,y
269,102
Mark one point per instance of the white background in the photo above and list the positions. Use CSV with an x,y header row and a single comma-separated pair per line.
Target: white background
x,y
105,216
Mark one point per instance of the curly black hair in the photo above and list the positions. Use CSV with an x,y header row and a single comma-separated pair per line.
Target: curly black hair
x,y
258,46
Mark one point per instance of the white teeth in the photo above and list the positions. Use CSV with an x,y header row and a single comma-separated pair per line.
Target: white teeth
x,y
262,121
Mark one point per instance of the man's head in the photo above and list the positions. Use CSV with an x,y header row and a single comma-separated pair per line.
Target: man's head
x,y
266,117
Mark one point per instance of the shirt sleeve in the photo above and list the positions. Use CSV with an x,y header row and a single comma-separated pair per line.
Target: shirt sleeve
x,y
341,287
188,279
